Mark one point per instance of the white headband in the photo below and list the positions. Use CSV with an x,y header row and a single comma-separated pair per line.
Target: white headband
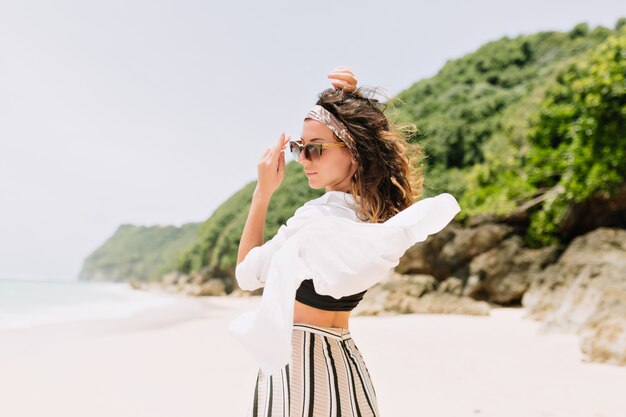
x,y
328,119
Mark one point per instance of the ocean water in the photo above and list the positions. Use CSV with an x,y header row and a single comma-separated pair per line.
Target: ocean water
x,y
26,303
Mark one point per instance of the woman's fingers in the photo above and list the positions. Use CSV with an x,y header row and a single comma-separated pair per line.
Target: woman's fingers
x,y
342,85
271,167
348,80
285,141
282,140
277,151
342,68
343,71
281,162
343,78
339,83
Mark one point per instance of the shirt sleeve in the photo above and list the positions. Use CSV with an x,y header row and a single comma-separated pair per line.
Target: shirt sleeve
x,y
251,273
345,257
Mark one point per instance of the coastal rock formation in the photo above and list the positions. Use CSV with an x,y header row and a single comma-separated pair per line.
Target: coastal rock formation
x,y
489,258
407,294
585,292
198,283
581,289
503,273
448,252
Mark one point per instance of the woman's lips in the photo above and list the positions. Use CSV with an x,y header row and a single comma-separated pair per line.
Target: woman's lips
x,y
308,174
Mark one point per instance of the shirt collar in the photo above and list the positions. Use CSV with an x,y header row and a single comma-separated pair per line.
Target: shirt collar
x,y
335,198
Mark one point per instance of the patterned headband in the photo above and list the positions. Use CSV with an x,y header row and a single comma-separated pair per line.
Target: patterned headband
x,y
328,119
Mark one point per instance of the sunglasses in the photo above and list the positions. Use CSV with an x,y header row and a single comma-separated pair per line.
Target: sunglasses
x,y
312,151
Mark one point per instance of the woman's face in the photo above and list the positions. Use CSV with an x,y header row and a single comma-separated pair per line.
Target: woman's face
x,y
334,169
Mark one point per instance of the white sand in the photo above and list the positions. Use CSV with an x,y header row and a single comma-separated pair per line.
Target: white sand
x,y
179,361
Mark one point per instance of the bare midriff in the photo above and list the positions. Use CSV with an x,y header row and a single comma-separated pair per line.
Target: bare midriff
x,y
303,313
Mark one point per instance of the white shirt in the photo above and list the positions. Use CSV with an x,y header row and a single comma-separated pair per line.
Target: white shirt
x,y
251,273
326,242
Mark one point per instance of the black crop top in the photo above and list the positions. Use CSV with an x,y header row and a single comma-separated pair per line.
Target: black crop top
x,y
306,295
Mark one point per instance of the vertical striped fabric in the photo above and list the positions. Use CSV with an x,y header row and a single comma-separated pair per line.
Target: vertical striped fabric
x,y
326,377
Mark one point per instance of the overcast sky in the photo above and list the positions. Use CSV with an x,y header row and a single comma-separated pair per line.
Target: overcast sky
x,y
155,112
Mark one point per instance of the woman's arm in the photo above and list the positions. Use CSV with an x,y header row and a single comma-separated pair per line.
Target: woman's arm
x,y
253,231
271,171
251,272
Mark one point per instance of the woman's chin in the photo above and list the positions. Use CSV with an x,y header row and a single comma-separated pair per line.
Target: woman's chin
x,y
315,184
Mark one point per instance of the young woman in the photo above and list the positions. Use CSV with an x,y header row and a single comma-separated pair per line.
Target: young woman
x,y
319,265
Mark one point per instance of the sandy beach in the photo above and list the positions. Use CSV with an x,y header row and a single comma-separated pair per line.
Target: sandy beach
x,y
179,360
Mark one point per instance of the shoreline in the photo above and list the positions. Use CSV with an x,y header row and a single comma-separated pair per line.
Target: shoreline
x,y
183,309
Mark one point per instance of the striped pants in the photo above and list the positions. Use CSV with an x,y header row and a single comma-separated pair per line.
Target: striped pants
x,y
326,377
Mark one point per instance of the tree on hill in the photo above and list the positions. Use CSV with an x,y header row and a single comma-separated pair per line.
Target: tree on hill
x,y
579,136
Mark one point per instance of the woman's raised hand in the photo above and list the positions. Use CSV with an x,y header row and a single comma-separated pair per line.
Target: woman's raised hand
x,y
343,78
271,167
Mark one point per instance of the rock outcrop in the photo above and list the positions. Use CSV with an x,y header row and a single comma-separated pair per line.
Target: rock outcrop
x,y
405,294
585,292
199,283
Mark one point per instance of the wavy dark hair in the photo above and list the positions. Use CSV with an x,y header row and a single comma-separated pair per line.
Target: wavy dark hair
x,y
389,177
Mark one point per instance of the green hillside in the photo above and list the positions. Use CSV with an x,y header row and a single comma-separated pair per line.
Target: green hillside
x,y
476,110
138,253
503,125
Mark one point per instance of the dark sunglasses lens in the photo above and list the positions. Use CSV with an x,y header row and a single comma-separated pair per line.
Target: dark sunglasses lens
x,y
313,152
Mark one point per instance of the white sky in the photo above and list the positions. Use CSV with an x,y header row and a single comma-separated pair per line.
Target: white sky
x,y
155,112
